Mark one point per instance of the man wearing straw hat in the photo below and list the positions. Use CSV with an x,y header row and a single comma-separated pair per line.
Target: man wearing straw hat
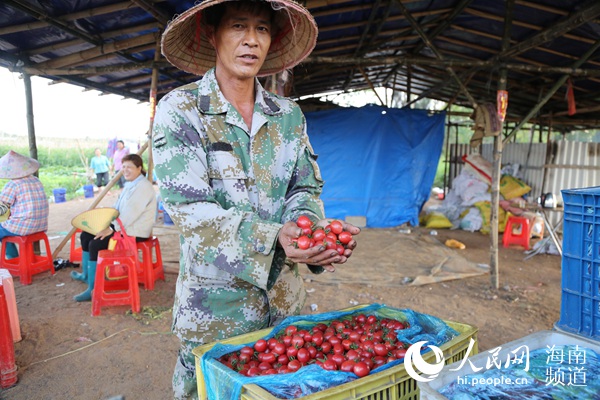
x,y
235,170
23,204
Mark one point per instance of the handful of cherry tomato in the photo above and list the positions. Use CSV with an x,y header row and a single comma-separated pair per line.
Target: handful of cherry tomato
x,y
356,345
332,237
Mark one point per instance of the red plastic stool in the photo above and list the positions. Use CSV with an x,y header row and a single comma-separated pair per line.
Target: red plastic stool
x,y
116,281
517,232
151,268
75,251
8,367
27,263
6,280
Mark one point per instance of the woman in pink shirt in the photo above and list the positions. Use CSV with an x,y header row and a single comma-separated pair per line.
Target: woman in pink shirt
x,y
117,160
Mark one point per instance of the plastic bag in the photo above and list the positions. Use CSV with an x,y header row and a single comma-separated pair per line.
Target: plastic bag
x,y
436,220
120,241
511,187
224,383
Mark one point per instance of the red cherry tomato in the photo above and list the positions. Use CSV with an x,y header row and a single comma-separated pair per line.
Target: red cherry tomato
x,y
307,231
400,353
260,345
345,237
279,348
247,350
304,222
297,341
291,329
317,338
294,365
303,355
269,357
318,235
380,349
361,369
347,366
336,226
272,342
291,351
263,366
331,237
329,365
303,242
330,244
338,359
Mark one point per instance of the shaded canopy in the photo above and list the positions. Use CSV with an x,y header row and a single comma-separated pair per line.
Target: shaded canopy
x,y
450,50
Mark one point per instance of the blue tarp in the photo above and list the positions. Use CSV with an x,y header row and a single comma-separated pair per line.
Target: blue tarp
x,y
377,162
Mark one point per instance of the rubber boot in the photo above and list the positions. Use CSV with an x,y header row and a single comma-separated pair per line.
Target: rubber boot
x,y
85,258
91,278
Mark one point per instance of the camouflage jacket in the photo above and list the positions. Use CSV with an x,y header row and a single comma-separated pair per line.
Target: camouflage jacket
x,y
229,191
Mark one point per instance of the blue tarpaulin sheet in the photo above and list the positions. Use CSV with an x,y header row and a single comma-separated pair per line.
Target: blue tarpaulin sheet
x,y
377,162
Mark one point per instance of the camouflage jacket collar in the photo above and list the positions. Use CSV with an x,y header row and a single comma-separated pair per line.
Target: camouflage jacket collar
x,y
211,100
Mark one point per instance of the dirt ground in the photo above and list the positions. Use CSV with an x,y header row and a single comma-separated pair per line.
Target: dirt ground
x,y
66,353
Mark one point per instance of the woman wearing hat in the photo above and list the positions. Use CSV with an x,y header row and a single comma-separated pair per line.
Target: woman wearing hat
x,y
22,199
136,208
236,169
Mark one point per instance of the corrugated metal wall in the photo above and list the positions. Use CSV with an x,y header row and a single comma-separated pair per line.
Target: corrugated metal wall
x,y
547,168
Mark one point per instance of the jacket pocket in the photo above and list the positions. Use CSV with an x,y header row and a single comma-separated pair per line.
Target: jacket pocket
x,y
224,165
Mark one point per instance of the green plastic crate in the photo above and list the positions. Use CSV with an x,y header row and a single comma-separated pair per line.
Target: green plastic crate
x,y
391,384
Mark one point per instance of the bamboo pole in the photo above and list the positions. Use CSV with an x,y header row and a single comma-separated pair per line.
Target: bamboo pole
x,y
362,71
96,201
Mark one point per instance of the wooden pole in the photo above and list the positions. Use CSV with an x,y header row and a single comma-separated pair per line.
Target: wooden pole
x,y
33,153
98,199
29,116
497,163
153,90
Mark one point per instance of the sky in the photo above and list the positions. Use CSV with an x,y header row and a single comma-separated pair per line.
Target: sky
x,y
67,111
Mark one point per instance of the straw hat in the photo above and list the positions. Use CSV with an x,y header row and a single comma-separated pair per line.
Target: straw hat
x,y
186,46
95,220
14,166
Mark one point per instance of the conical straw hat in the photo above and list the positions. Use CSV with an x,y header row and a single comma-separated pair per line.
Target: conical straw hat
x,y
95,220
14,165
186,45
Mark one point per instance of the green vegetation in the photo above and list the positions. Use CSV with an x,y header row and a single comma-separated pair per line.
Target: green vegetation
x,y
60,167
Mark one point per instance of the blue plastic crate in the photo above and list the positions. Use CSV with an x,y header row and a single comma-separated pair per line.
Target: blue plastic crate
x,y
580,300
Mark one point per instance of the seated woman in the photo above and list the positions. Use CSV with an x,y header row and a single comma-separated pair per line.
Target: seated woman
x,y
23,203
137,211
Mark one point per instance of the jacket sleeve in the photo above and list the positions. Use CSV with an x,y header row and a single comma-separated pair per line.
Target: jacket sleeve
x,y
233,240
